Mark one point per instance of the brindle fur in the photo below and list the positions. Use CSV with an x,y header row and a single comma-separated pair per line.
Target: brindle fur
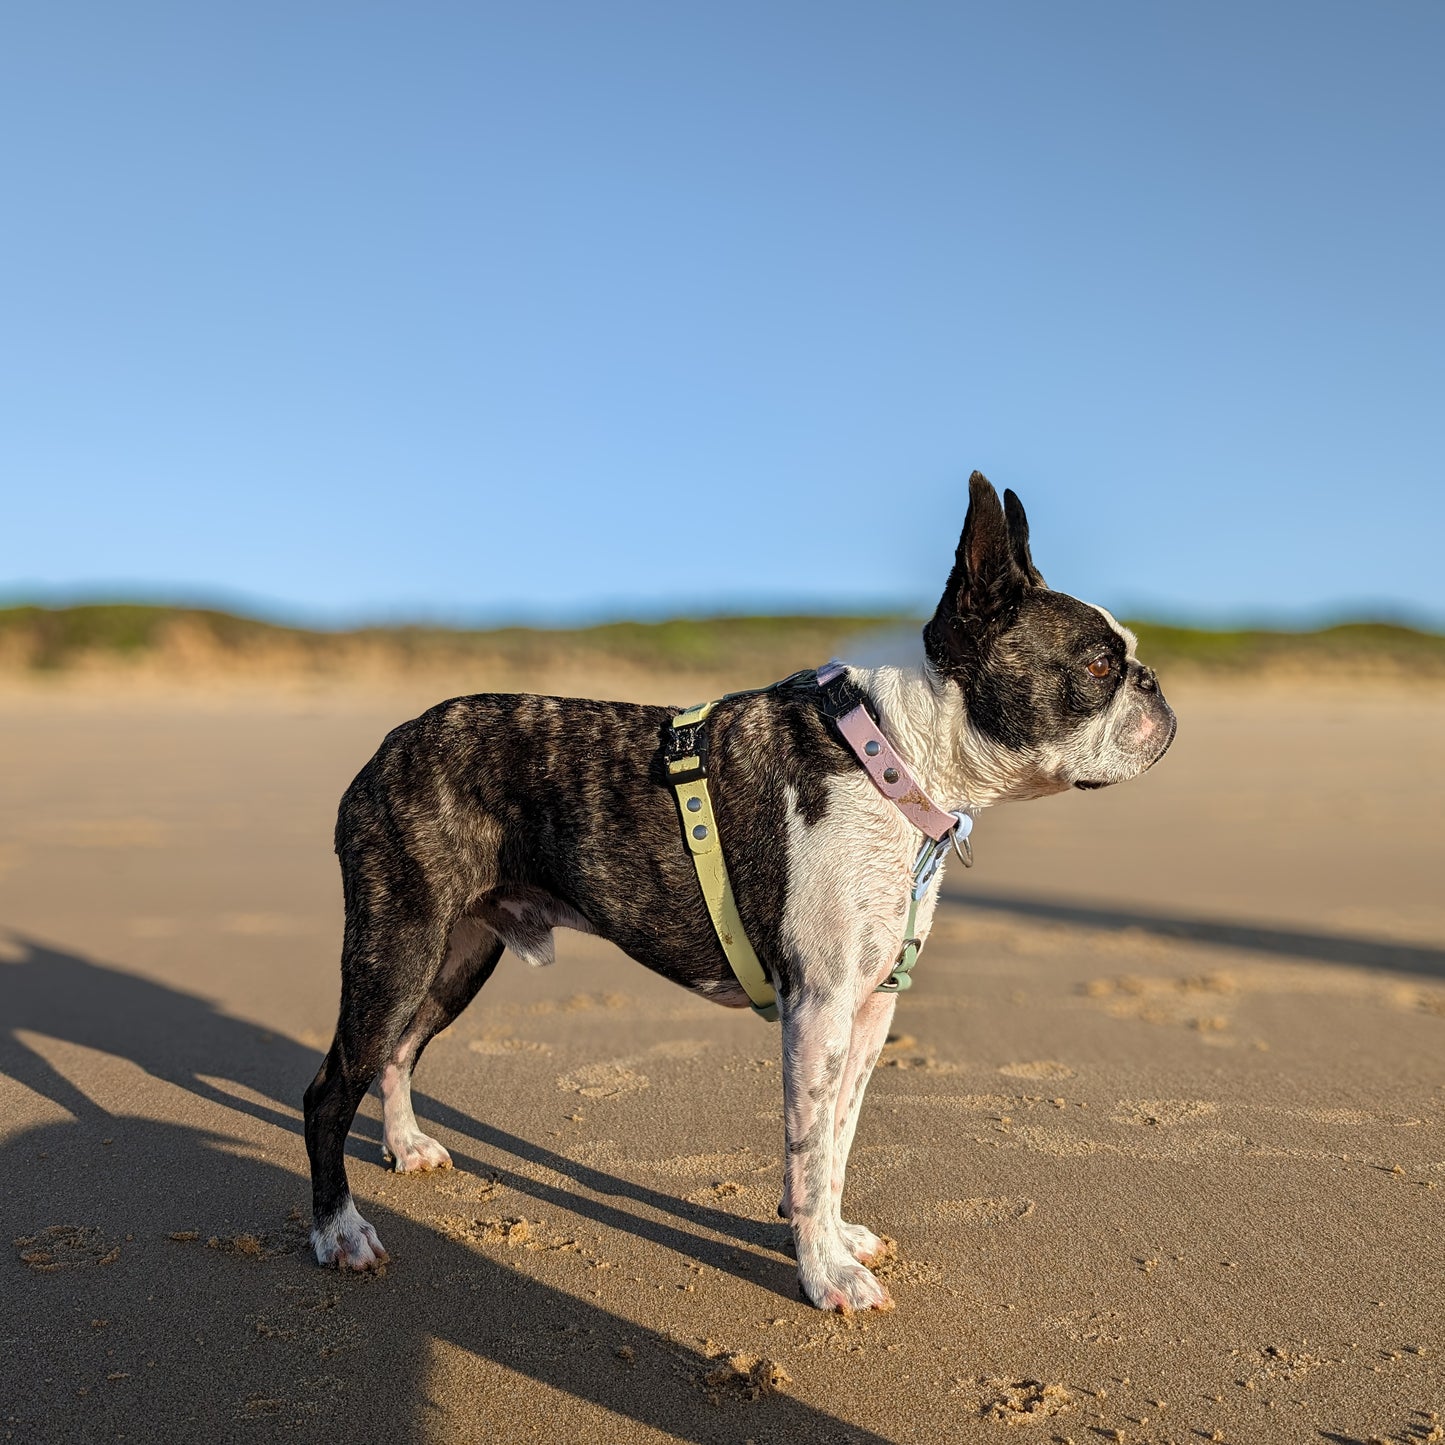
x,y
490,820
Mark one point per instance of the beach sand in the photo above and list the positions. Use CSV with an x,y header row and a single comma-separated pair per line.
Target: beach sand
x,y
1160,1134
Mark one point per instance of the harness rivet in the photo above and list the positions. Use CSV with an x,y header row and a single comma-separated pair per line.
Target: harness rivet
x,y
871,747
700,831
890,775
693,804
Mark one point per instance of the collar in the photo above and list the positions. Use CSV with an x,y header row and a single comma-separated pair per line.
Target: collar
x,y
886,769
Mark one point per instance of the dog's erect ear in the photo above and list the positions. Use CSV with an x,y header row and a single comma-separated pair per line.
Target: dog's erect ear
x,y
1018,537
986,580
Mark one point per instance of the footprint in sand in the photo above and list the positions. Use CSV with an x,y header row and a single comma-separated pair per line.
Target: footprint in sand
x,y
1350,1117
1038,1069
604,1081
611,1077
1161,1113
495,1046
66,1246
990,1212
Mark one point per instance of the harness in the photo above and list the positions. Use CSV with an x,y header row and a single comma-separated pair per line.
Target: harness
x,y
685,757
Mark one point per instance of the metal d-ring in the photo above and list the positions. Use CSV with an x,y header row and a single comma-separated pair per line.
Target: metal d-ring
x,y
962,843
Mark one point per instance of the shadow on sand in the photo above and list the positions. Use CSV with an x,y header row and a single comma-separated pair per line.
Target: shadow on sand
x,y
171,1339
1290,943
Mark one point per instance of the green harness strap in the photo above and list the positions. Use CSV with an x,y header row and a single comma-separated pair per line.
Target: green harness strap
x,y
694,804
924,867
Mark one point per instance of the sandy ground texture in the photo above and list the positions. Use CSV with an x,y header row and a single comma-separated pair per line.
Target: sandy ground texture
x,y
1160,1133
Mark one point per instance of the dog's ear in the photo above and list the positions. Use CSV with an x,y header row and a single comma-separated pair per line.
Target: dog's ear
x,y
986,581
1018,538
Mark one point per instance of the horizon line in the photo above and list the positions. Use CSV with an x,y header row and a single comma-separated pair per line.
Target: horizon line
x,y
1307,620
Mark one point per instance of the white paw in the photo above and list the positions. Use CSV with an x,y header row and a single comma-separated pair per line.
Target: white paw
x,y
842,1284
348,1241
865,1246
414,1152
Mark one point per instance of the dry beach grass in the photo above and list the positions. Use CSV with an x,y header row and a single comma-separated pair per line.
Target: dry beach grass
x,y
1160,1135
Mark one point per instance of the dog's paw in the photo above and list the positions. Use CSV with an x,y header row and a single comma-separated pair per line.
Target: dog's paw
x,y
414,1153
844,1286
348,1241
865,1246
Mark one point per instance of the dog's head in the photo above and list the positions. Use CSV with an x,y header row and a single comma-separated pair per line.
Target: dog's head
x,y
1053,691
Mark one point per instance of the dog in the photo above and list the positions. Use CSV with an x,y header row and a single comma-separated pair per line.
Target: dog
x,y
489,821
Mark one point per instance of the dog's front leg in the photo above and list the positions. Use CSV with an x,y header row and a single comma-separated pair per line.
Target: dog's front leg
x,y
870,1029
817,1040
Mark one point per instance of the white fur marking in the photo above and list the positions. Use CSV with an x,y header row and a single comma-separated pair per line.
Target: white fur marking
x,y
1130,641
348,1241
409,1150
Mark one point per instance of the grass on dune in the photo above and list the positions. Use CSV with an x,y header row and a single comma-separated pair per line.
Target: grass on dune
x,y
55,638
50,639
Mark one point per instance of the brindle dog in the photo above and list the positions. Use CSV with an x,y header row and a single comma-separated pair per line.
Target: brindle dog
x,y
491,820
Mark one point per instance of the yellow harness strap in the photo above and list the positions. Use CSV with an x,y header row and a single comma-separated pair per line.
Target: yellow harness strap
x,y
694,804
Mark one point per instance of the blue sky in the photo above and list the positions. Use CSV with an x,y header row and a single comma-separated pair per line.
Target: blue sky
x,y
561,311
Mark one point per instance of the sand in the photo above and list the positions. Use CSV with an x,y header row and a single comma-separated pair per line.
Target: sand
x,y
1160,1137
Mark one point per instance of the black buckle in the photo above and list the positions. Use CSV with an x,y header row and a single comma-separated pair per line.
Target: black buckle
x,y
687,741
838,696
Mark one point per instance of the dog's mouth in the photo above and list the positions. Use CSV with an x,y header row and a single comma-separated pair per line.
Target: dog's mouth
x,y
1090,785
1173,729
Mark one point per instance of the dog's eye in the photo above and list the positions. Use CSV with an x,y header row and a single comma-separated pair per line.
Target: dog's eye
x,y
1101,667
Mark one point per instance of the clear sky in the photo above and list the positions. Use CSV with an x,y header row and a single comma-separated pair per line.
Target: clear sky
x,y
570,310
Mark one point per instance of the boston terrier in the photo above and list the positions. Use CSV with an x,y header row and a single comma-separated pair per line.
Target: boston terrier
x,y
489,821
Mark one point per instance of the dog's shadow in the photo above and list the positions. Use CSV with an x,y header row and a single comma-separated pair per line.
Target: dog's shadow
x,y
1351,950
252,1330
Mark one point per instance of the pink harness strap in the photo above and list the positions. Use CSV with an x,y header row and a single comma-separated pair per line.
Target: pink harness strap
x,y
888,771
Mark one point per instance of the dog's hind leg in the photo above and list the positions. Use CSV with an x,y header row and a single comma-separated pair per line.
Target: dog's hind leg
x,y
817,1038
386,971
472,954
